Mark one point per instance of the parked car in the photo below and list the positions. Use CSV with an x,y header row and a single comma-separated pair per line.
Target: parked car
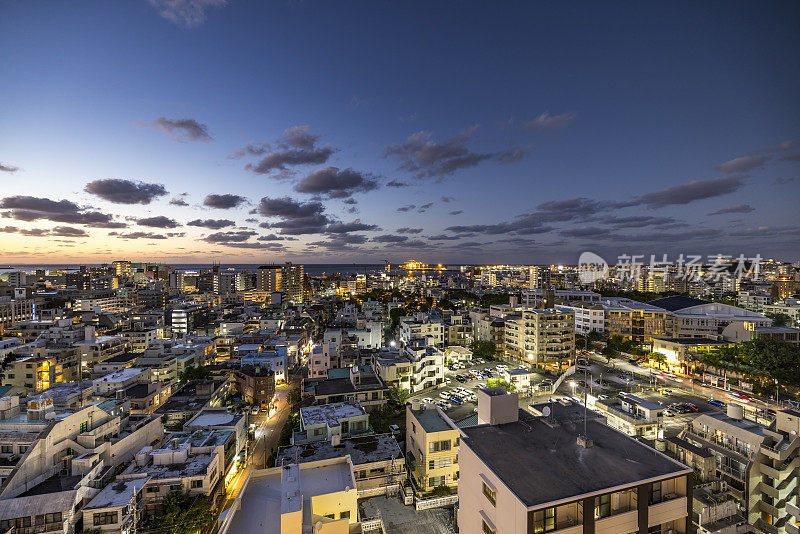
x,y
456,400
717,403
444,394
427,400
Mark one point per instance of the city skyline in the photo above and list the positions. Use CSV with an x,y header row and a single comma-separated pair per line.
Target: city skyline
x,y
191,131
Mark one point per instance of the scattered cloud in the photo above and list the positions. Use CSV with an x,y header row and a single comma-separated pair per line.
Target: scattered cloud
x,y
390,238
430,159
336,183
456,212
125,191
223,202
178,202
212,224
784,181
407,230
586,232
739,208
27,208
159,221
295,217
448,199
345,228
425,207
186,13
184,129
743,164
638,221
395,183
138,235
791,157
547,123
68,231
692,191
230,237
406,208
4,167
298,146
58,231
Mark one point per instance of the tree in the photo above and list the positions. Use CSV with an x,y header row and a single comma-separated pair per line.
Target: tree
x,y
658,358
182,513
396,397
780,319
442,491
194,373
497,382
483,349
610,353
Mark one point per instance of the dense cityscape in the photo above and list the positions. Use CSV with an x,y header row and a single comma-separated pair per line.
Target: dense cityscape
x,y
144,397
418,267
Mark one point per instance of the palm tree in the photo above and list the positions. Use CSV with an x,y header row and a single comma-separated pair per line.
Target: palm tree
x,y
657,358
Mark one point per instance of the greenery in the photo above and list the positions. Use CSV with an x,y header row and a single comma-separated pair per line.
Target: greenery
x,y
181,513
483,349
780,319
610,353
657,358
761,359
294,396
391,413
194,373
498,382
442,491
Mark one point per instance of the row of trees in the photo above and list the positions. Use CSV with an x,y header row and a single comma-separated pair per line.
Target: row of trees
x,y
761,360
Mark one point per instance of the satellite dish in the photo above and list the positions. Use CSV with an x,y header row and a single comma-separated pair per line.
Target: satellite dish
x,y
546,411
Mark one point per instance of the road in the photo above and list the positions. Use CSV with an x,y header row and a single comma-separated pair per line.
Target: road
x,y
601,377
267,433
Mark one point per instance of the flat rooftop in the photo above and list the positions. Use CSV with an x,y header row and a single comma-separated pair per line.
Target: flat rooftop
x,y
116,494
431,420
330,413
692,340
263,496
122,375
207,418
362,450
541,461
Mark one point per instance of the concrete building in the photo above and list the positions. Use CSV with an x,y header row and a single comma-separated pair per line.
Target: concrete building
x,y
634,320
13,311
757,464
589,316
541,337
432,442
316,496
701,318
378,462
682,352
331,422
515,480
110,384
427,366
96,349
633,415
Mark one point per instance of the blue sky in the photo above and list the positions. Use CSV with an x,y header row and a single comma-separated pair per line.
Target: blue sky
x,y
533,131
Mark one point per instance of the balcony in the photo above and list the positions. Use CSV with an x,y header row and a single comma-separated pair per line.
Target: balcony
x,y
768,508
764,527
768,490
791,528
736,473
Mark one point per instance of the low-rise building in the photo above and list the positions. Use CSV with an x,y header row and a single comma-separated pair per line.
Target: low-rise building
x,y
432,442
378,461
316,496
111,383
332,422
632,415
521,473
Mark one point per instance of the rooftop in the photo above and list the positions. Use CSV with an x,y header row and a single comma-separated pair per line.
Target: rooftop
x,y
362,450
431,420
692,340
540,460
122,375
677,302
330,413
116,494
215,417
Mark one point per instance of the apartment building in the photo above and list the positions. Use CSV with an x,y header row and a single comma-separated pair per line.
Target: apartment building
x,y
633,415
43,368
427,366
105,301
522,473
634,320
111,383
422,328
432,445
332,422
378,461
357,383
292,281
701,318
256,384
790,307
541,336
393,368
96,349
268,278
589,316
13,311
757,464
458,331
754,299
316,496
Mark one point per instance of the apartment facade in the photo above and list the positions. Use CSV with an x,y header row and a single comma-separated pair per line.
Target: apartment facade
x,y
513,480
541,336
432,444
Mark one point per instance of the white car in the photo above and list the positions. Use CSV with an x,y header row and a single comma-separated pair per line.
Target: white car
x,y
444,395
427,400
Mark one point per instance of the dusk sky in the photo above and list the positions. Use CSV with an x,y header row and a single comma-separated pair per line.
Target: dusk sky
x,y
337,132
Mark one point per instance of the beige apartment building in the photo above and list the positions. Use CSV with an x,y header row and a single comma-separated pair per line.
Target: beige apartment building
x,y
317,497
526,474
431,447
541,336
